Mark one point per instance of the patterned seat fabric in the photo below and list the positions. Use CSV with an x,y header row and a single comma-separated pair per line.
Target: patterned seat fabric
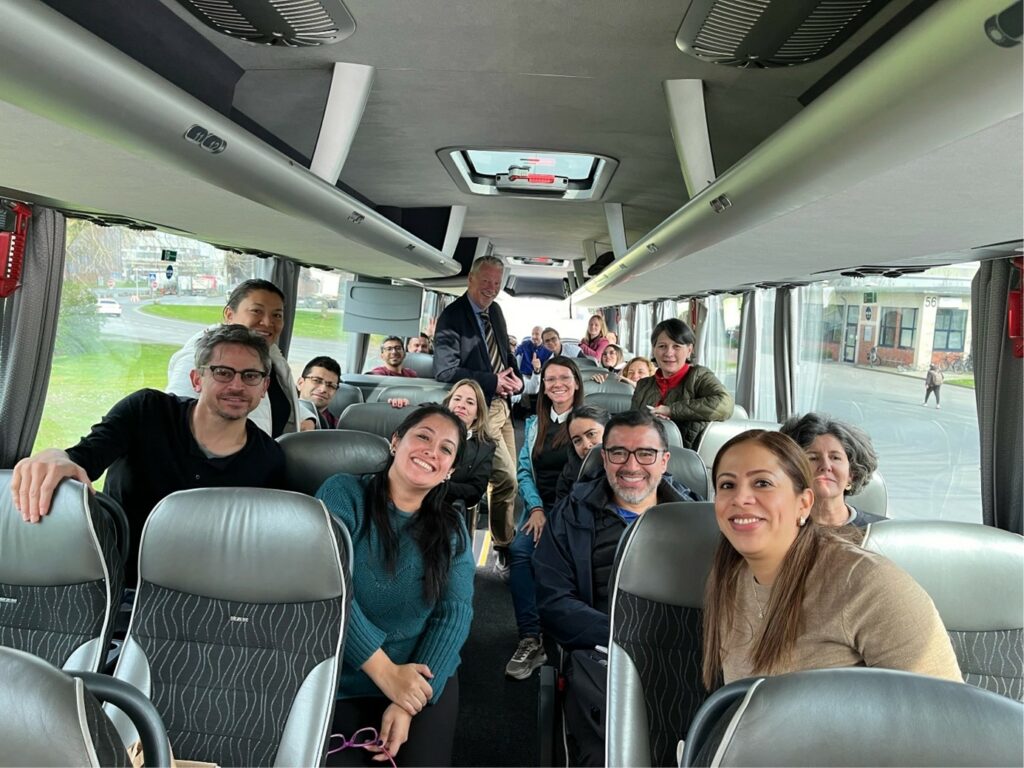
x,y
239,623
61,580
655,657
975,576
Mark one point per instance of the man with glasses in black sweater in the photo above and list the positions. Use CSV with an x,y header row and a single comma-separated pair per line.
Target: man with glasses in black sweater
x,y
154,443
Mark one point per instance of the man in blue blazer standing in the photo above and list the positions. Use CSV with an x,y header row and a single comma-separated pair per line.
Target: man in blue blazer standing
x,y
471,341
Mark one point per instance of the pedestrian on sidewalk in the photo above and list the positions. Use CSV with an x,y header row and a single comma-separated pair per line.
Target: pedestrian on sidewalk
x,y
932,383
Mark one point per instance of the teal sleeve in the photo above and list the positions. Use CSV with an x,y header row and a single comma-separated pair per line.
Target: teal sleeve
x,y
524,474
448,626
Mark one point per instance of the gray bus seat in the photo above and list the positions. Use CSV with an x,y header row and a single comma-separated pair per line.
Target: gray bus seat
x,y
60,580
613,402
873,497
312,457
343,398
854,716
975,576
683,464
51,718
654,655
718,433
739,412
611,384
369,383
238,627
375,418
421,362
415,395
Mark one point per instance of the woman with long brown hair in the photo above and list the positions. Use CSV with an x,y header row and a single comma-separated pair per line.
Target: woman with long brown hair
x,y
786,594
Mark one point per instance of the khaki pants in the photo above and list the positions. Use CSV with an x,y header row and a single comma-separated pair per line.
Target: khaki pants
x,y
501,506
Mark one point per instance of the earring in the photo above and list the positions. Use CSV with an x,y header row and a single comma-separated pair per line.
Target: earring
x,y
803,521
392,450
849,486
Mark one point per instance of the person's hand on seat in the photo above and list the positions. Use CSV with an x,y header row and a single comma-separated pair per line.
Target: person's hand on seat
x,y
398,402
34,481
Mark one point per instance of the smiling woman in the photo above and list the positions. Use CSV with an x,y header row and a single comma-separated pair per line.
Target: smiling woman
x,y
413,590
786,594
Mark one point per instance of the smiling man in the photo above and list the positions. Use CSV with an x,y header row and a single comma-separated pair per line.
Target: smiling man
x,y
259,306
154,443
392,352
573,562
319,381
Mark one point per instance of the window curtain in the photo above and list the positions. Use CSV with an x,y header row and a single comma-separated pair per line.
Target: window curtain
x,y
746,371
997,381
784,342
285,275
27,332
699,309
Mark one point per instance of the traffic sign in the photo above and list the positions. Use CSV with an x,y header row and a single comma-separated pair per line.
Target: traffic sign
x,y
152,277
170,271
167,254
153,285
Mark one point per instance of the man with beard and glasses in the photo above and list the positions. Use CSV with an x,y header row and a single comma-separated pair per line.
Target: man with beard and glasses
x,y
574,558
392,352
155,443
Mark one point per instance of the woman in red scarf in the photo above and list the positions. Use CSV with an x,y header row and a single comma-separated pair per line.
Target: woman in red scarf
x,y
688,394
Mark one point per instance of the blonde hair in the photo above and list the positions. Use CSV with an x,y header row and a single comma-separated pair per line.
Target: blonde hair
x,y
603,333
650,366
480,422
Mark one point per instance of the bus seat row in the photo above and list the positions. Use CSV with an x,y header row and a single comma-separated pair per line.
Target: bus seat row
x,y
368,384
415,394
238,625
655,657
312,457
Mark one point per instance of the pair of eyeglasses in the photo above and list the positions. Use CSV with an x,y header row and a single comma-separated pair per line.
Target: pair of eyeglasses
x,y
391,349
226,374
318,382
644,456
364,738
558,380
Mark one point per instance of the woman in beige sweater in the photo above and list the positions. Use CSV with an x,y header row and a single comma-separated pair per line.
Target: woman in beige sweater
x,y
786,594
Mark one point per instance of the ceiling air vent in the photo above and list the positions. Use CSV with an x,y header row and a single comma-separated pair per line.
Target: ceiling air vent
x,y
770,33
289,23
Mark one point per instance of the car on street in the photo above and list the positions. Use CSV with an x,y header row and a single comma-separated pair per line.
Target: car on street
x,y
108,307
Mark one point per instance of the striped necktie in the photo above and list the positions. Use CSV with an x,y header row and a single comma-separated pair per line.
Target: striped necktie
x,y
492,343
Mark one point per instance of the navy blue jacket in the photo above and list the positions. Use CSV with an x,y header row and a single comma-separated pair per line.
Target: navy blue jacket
x,y
562,562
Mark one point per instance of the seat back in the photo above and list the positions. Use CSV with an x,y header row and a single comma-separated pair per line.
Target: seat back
x,y
611,384
312,457
369,383
48,718
343,398
718,433
421,362
683,464
60,580
613,402
975,576
873,497
739,412
415,395
855,716
654,655
238,627
375,418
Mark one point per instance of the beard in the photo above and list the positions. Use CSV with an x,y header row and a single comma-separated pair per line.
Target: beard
x,y
633,495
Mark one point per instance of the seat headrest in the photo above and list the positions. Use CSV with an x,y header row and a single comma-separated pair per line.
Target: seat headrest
x,y
375,418
343,398
611,384
63,548
414,394
872,497
973,573
43,715
718,433
667,553
312,457
421,362
247,544
613,402
860,716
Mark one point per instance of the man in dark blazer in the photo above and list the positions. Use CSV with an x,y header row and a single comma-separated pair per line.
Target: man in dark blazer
x,y
462,351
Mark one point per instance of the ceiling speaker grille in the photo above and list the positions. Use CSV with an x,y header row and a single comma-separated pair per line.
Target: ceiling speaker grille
x,y
290,23
770,33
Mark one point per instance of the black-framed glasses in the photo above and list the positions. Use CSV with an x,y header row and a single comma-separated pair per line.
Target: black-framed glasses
x,y
645,456
318,382
225,374
392,348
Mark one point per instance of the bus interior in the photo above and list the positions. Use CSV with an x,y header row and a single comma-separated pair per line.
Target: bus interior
x,y
831,193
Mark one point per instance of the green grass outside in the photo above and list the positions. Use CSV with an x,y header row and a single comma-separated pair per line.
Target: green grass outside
x,y
964,382
84,387
309,323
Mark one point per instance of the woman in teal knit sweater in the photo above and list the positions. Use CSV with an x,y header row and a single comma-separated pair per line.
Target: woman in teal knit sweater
x,y
412,595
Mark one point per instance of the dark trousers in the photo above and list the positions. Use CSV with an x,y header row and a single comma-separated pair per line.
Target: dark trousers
x,y
929,390
586,684
431,734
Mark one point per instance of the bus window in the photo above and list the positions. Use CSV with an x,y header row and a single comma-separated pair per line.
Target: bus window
x,y
317,329
721,344
866,347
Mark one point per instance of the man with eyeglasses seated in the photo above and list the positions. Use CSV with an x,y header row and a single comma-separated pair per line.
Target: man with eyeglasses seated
x,y
317,384
392,352
154,443
574,558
